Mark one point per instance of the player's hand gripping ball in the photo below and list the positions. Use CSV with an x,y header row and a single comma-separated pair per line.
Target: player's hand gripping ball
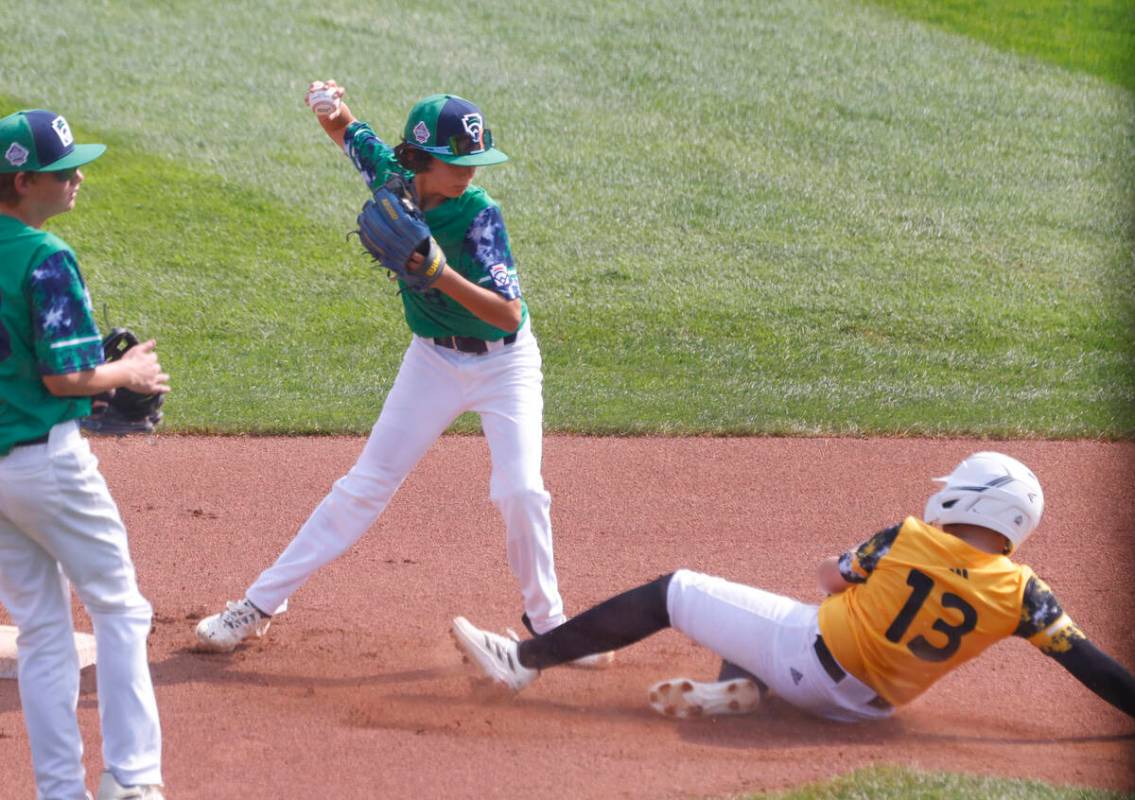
x,y
122,411
324,98
392,229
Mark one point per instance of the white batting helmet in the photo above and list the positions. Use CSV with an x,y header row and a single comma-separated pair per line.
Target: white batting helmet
x,y
991,490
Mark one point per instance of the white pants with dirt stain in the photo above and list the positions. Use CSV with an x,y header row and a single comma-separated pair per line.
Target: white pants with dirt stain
x,y
433,387
59,527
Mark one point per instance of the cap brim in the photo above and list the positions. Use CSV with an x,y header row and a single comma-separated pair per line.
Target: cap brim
x,y
82,154
484,159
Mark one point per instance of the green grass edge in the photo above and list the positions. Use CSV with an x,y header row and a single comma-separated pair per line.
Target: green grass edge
x,y
887,782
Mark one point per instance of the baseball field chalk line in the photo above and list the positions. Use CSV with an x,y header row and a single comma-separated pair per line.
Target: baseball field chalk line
x,y
84,644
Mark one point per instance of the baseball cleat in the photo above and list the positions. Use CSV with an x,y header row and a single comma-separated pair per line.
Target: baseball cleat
x,y
221,633
496,656
111,789
683,698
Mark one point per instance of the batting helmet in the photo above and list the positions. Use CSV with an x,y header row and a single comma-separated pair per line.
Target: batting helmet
x,y
991,490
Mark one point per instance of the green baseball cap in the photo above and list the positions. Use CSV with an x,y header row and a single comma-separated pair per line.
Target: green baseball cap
x,y
41,141
451,129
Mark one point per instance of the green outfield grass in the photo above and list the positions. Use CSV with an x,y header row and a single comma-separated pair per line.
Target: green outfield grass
x,y
889,783
1095,36
802,218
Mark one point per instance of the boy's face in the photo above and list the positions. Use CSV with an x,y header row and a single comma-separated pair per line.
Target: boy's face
x,y
450,179
49,193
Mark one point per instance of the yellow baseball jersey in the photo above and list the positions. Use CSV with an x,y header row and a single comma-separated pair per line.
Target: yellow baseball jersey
x,y
923,602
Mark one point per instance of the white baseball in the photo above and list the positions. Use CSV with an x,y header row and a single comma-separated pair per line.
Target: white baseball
x,y
323,102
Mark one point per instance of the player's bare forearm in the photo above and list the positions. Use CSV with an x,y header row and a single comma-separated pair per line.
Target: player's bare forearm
x,y
83,384
829,577
336,127
1099,672
487,305
137,370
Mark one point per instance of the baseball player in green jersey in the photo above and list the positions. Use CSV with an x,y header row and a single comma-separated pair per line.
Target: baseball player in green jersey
x,y
58,523
472,349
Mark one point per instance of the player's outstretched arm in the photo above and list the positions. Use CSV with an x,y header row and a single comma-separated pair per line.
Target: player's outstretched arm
x,y
1099,672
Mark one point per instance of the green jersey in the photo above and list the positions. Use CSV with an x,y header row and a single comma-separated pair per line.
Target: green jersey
x,y
469,228
46,328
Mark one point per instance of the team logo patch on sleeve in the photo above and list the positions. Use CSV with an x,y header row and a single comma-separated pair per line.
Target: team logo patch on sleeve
x,y
499,273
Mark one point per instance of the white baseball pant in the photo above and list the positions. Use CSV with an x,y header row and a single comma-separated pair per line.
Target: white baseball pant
x,y
60,527
771,636
433,387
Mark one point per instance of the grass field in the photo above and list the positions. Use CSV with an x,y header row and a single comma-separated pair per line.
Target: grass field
x,y
1093,36
818,218
887,783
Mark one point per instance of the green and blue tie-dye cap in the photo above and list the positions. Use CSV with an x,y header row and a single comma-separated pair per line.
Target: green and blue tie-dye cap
x,y
451,129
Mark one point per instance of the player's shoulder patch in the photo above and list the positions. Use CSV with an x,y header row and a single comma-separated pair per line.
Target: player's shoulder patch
x,y
1039,608
500,276
855,565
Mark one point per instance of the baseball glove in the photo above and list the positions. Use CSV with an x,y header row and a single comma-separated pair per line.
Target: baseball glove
x,y
122,411
392,228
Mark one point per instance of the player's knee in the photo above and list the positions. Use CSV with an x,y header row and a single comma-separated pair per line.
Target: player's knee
x,y
116,595
683,576
370,487
134,608
678,583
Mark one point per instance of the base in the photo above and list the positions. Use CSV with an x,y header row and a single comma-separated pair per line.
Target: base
x,y
84,644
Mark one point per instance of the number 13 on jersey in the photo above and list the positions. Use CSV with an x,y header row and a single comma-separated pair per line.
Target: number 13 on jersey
x,y
922,585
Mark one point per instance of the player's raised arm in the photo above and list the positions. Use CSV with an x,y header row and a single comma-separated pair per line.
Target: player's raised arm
x,y
325,99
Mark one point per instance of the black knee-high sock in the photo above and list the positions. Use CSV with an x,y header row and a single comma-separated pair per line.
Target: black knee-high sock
x,y
614,623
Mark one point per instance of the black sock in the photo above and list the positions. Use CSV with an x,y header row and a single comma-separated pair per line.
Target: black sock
x,y
730,671
614,623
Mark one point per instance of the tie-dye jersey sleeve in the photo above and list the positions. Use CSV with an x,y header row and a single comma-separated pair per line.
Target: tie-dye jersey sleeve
x,y
66,337
855,565
486,241
1043,621
372,157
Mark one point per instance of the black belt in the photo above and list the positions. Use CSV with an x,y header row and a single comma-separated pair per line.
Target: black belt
x,y
837,673
28,443
469,344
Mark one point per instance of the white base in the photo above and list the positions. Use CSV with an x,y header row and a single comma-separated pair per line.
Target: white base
x,y
84,644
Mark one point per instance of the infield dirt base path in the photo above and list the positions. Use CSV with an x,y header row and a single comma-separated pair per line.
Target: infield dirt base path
x,y
358,692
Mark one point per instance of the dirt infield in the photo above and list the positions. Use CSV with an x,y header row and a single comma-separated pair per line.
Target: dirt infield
x,y
357,691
